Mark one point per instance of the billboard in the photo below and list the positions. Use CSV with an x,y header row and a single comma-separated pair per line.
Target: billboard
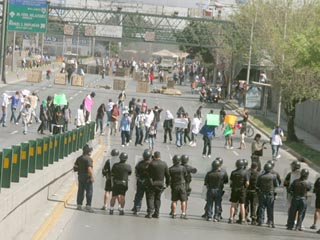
x,y
109,31
170,3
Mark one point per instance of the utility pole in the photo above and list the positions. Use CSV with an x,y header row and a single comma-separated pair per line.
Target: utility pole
x,y
3,44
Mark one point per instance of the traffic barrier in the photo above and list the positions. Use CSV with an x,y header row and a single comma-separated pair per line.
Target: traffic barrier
x,y
39,154
46,151
6,168
32,156
16,163
24,155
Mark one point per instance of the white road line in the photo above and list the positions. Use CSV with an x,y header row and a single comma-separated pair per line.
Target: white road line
x,y
70,98
14,132
235,153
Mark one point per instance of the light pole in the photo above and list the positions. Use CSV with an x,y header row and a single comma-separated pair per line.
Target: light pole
x,y
3,41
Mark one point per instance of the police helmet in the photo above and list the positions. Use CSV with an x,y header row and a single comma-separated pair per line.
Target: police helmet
x,y
267,167
215,164
245,162
114,152
273,163
86,149
184,159
123,157
295,165
304,173
239,163
176,159
146,154
220,160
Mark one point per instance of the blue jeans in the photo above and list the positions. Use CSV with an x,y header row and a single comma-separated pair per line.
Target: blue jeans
x,y
99,123
151,143
266,200
275,151
206,145
179,138
139,135
4,116
214,195
125,137
297,205
85,185
108,117
13,115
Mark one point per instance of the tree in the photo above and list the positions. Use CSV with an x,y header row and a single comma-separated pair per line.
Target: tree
x,y
290,35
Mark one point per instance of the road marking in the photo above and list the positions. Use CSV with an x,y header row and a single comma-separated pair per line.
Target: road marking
x,y
14,132
51,220
76,94
70,98
235,153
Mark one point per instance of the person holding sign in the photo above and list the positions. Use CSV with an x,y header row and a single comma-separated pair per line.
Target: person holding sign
x,y
208,133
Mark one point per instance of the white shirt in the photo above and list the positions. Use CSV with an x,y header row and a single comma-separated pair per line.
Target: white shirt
x,y
149,119
276,139
195,125
109,106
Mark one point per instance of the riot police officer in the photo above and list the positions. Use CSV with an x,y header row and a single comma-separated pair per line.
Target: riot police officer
x,y
106,172
178,175
120,175
266,185
299,189
239,181
252,195
142,179
214,179
158,172
190,170
84,167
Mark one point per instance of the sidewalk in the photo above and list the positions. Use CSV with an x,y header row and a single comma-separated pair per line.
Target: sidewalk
x,y
310,140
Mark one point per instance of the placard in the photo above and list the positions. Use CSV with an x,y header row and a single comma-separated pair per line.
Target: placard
x,y
213,119
181,122
230,119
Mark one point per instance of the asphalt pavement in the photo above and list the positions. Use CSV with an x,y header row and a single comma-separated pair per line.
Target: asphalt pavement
x,y
73,224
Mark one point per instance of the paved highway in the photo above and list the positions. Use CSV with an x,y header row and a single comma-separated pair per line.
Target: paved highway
x,y
72,224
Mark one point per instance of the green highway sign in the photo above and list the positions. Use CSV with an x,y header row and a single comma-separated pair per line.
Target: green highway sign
x,y
27,16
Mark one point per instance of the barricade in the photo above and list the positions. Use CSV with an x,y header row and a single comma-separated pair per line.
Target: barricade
x,y
6,168
16,163
34,155
24,154
39,154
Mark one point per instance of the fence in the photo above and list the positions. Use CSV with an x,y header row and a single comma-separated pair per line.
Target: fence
x,y
34,155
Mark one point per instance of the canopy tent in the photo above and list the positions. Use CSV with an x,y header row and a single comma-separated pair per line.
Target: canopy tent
x,y
165,53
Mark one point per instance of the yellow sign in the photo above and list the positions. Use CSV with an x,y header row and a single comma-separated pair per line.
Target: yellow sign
x,y
39,150
23,155
45,147
51,144
6,162
31,152
15,158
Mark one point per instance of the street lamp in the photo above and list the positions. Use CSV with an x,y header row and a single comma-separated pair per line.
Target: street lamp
x,y
3,41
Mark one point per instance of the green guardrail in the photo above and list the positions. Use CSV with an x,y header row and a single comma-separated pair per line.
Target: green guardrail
x,y
20,161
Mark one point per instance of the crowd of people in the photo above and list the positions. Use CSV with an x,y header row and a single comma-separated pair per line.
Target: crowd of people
x,y
252,189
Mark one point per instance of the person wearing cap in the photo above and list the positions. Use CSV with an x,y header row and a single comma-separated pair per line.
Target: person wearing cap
x,y
84,167
276,137
257,150
43,117
125,123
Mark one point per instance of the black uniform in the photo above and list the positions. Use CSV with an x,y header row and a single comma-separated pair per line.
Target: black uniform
x,y
214,181
238,179
120,173
142,183
266,185
158,173
190,170
178,176
316,190
252,195
298,189
106,172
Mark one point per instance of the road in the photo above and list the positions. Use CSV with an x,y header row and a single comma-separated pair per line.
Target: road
x,y
73,224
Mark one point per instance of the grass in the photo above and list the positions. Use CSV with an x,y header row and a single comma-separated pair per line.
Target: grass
x,y
299,147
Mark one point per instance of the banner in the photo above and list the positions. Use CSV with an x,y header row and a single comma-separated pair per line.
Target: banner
x,y
181,122
213,120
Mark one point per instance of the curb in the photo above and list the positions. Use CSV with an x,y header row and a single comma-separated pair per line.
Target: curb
x,y
298,157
